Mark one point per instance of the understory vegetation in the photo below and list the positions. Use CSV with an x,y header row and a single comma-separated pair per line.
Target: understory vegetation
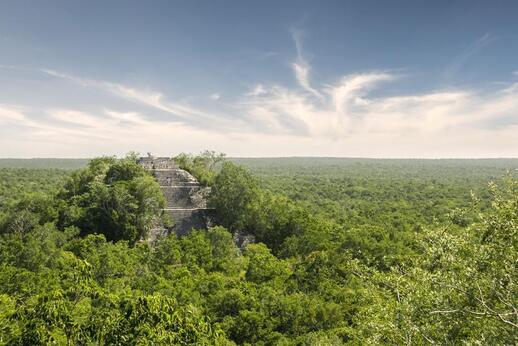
x,y
347,251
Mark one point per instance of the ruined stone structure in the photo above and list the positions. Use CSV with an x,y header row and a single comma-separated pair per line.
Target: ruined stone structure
x,y
186,198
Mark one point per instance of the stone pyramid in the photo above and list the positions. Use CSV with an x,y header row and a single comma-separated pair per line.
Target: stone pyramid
x,y
186,197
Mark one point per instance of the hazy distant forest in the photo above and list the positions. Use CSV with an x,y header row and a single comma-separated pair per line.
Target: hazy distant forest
x,y
347,251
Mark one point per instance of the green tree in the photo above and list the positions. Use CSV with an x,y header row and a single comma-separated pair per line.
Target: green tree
x,y
462,289
115,197
262,265
203,166
232,194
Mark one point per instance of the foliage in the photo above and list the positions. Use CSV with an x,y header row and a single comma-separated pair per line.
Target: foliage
x,y
342,255
116,197
202,166
233,192
462,288
272,218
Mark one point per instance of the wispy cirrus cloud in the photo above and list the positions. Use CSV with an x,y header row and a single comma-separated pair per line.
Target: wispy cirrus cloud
x,y
24,120
472,49
150,98
256,91
300,66
11,113
349,109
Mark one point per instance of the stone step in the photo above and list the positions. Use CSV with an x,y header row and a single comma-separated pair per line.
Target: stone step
x,y
172,177
187,219
194,196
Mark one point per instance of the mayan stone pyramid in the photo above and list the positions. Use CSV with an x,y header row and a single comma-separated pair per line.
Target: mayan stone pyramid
x,y
186,197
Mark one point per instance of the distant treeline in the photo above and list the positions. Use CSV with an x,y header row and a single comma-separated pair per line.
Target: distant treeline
x,y
285,162
44,163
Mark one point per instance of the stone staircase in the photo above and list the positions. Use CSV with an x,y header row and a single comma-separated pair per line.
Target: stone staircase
x,y
186,198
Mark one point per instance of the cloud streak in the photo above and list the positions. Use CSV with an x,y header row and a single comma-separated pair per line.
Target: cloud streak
x,y
471,50
149,98
301,67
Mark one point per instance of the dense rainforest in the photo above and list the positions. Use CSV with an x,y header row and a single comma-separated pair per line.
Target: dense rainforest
x,y
346,252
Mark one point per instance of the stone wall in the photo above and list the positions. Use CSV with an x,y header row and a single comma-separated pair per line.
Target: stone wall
x,y
152,163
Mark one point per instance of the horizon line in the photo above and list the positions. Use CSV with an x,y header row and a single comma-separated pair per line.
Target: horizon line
x,y
287,157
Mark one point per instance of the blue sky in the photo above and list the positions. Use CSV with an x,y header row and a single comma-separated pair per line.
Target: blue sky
x,y
261,78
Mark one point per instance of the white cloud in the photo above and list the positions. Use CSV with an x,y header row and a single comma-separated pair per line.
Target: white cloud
x,y
349,108
257,90
515,73
352,88
348,117
301,66
11,114
82,119
70,132
149,98
215,97
27,124
126,117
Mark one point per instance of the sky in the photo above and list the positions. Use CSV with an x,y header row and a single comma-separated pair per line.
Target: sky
x,y
387,79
